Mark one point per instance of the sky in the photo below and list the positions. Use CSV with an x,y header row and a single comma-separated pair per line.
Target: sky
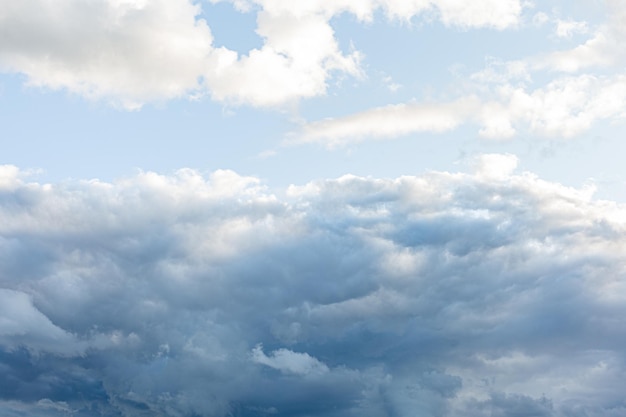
x,y
322,208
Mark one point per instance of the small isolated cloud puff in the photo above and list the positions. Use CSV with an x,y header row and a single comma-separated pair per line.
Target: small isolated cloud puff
x,y
567,28
287,361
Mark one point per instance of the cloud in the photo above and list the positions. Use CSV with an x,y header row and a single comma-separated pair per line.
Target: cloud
x,y
21,324
485,293
602,50
298,56
387,122
125,50
564,108
132,52
290,362
486,13
505,98
566,28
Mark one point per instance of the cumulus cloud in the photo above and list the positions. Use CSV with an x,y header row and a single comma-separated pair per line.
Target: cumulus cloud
x,y
131,52
484,293
298,56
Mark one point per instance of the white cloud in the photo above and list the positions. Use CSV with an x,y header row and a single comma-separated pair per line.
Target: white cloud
x,y
9,176
288,361
133,52
387,122
296,60
567,28
602,50
599,51
128,51
486,13
491,13
564,108
494,166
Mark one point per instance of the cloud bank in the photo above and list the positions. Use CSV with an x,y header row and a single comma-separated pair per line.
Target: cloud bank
x,y
487,293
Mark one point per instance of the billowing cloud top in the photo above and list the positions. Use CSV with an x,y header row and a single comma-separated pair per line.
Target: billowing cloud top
x,y
493,293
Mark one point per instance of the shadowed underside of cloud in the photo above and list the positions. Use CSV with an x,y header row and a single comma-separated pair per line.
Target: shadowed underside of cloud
x,y
483,294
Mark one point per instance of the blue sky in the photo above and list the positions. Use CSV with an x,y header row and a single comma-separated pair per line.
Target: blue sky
x,y
76,128
312,208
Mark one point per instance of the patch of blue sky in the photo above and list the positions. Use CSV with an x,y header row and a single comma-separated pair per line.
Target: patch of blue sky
x,y
232,28
66,136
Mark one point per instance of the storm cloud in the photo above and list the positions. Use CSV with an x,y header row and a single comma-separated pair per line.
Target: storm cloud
x,y
492,293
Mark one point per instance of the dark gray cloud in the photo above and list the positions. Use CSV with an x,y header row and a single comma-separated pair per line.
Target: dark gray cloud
x,y
183,295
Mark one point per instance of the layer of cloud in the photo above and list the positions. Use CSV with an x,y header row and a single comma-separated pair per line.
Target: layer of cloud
x,y
131,52
488,293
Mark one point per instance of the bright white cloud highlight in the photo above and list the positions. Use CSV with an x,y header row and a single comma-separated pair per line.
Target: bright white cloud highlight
x,y
287,361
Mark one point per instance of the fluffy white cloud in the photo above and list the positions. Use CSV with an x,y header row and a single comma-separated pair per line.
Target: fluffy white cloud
x,y
296,60
131,52
449,293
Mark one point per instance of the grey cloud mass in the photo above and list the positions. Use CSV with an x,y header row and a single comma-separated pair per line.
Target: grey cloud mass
x,y
448,294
